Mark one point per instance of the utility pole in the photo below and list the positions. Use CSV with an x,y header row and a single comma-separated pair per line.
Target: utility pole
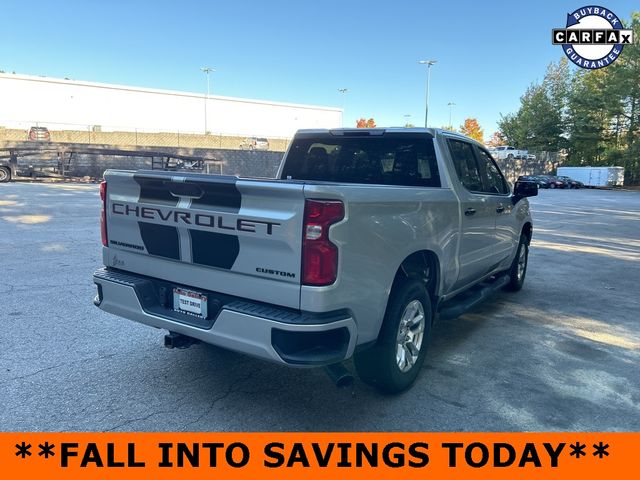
x,y
428,63
207,71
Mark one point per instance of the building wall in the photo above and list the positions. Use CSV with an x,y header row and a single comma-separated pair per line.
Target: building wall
x,y
68,105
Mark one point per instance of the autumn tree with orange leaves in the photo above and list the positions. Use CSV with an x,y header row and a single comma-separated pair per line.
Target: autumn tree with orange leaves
x,y
471,128
362,123
497,139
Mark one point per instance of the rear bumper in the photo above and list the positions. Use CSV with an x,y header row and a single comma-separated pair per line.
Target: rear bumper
x,y
268,332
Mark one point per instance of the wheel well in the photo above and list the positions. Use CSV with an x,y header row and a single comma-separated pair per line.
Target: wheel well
x,y
527,231
424,266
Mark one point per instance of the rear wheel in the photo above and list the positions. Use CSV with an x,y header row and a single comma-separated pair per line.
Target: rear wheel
x,y
552,185
5,175
518,269
393,364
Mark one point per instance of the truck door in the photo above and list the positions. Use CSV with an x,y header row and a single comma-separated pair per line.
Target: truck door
x,y
497,190
478,212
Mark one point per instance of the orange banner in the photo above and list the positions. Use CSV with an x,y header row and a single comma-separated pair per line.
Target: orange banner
x,y
283,456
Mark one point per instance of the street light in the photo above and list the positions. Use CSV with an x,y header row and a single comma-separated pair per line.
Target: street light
x,y
343,91
207,71
428,63
451,104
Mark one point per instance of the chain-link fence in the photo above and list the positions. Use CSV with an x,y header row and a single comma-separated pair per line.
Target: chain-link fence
x,y
535,163
136,137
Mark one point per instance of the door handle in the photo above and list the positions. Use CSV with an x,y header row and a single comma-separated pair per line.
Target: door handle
x,y
469,211
500,209
188,190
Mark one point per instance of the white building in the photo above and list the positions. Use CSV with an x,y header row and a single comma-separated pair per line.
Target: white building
x,y
27,101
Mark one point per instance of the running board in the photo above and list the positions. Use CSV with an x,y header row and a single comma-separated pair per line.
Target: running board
x,y
466,301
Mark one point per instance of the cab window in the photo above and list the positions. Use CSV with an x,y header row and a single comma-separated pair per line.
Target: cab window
x,y
492,179
464,161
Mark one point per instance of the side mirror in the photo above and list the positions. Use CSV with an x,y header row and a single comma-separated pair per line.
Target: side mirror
x,y
524,189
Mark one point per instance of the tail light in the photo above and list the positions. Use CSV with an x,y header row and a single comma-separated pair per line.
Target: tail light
x,y
103,213
319,255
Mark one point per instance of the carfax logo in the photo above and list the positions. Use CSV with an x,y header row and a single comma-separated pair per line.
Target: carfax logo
x,y
593,38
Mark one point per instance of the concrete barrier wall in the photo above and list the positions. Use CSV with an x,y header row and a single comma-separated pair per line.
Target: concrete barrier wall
x,y
228,162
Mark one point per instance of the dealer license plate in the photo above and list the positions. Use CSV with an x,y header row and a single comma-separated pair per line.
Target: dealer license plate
x,y
188,301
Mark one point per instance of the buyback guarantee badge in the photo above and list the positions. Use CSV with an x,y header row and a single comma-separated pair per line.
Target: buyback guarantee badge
x,y
593,37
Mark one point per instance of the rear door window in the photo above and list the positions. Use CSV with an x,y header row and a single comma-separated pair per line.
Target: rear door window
x,y
492,179
465,164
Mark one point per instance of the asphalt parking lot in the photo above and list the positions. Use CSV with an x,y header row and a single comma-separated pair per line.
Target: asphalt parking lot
x,y
563,354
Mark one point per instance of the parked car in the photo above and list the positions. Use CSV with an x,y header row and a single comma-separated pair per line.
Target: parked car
x,y
541,182
570,182
39,134
255,143
552,181
332,260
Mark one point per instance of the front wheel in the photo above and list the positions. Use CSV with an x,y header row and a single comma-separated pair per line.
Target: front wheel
x,y
5,175
518,269
393,364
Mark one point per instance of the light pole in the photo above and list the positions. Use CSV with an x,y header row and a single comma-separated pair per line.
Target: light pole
x,y
207,71
428,63
451,104
343,91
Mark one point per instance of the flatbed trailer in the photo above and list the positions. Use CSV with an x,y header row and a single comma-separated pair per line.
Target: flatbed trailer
x,y
29,159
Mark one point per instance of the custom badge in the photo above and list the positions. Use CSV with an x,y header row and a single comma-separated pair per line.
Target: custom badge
x,y
593,37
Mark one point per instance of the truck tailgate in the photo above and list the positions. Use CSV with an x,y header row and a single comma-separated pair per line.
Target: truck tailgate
x,y
223,234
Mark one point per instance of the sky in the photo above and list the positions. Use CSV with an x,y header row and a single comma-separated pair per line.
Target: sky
x,y
302,51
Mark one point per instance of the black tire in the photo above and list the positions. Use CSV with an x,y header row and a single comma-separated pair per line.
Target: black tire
x,y
378,366
552,185
5,175
516,275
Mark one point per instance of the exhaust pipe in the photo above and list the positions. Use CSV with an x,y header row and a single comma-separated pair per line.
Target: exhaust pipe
x,y
177,340
339,375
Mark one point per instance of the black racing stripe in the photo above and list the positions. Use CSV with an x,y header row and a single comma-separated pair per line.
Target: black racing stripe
x,y
160,240
221,196
155,191
214,249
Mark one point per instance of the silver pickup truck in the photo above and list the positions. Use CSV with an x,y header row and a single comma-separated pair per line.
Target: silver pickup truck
x,y
363,239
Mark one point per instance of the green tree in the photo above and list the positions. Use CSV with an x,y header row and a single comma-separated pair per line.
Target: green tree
x,y
604,113
593,114
589,117
538,124
624,89
557,84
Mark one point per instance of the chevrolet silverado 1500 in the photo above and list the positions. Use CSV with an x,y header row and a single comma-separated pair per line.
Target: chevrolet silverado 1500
x,y
362,240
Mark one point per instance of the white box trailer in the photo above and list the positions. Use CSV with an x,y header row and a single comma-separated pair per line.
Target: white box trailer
x,y
595,176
